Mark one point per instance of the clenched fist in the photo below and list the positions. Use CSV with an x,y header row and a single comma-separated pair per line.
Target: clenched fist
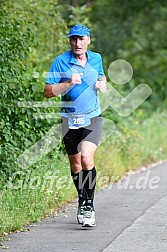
x,y
101,86
75,79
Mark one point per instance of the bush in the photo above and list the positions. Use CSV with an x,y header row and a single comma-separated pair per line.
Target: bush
x,y
23,34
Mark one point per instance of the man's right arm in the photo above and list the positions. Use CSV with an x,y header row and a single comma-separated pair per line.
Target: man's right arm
x,y
52,90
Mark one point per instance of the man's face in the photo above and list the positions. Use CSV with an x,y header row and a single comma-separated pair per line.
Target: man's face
x,y
79,44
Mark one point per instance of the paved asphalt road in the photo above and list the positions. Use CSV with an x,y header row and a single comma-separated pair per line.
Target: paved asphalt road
x,y
128,220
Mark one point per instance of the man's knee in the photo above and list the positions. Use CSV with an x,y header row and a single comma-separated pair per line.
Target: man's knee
x,y
87,162
75,163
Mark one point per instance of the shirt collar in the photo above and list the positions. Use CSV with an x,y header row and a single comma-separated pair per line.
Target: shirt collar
x,y
74,60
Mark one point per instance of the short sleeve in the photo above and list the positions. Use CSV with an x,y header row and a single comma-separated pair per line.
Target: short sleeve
x,y
54,74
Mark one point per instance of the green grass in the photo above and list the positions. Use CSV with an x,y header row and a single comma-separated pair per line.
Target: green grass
x,y
134,144
46,186
36,193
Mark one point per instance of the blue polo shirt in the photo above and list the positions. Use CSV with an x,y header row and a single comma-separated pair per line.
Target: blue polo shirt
x,y
80,98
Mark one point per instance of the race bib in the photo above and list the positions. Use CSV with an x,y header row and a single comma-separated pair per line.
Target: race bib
x,y
78,121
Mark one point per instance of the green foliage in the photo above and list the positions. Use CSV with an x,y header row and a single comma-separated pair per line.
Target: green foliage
x,y
27,30
16,40
77,12
135,143
134,31
148,50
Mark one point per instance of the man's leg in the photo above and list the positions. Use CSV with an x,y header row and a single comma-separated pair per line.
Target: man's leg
x,y
84,177
84,173
76,174
88,150
72,140
81,157
89,182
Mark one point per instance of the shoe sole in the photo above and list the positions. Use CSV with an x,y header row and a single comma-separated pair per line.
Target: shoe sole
x,y
88,225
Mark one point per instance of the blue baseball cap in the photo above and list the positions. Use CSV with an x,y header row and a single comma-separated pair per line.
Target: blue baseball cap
x,y
79,30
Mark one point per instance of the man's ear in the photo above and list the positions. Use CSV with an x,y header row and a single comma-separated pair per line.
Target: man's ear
x,y
89,40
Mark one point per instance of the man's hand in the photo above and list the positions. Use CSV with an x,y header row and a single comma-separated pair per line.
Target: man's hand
x,y
101,86
75,79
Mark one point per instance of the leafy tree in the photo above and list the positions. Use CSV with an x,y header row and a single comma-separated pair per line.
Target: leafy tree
x,y
134,31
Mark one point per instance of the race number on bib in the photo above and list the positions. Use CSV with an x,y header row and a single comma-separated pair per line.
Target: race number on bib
x,y
78,121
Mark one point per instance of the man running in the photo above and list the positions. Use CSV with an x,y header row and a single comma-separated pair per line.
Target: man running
x,y
78,76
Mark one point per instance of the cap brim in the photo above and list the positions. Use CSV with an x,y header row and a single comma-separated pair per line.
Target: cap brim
x,y
78,34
